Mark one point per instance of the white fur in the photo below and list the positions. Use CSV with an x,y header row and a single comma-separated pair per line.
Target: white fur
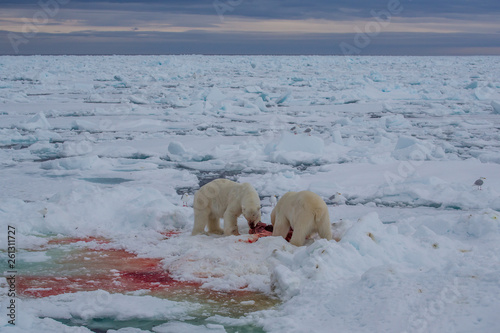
x,y
305,212
222,198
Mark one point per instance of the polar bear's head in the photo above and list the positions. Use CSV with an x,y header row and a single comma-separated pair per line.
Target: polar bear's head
x,y
251,214
250,205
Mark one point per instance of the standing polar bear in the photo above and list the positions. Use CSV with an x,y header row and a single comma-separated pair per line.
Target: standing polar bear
x,y
222,198
305,212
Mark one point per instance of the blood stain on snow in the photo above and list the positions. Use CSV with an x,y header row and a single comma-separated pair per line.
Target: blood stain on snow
x,y
170,233
75,268
71,240
90,268
87,269
263,230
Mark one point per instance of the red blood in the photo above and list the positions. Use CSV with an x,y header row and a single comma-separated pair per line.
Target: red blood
x,y
170,233
112,270
264,230
115,271
147,277
71,240
251,239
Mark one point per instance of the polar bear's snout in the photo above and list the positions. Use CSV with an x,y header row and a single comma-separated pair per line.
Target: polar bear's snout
x,y
252,216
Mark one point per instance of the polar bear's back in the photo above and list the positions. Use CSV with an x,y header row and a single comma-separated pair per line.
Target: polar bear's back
x,y
247,192
305,201
311,199
214,195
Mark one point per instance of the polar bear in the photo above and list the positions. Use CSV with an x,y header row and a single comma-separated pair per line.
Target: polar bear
x,y
223,198
305,212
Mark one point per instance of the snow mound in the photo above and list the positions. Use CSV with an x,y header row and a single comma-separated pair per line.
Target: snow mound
x,y
204,259
296,149
99,211
409,148
38,121
395,121
213,95
177,152
76,163
482,224
496,107
98,305
138,100
368,243
10,136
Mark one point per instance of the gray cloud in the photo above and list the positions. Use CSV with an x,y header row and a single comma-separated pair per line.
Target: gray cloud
x,y
202,14
284,9
199,42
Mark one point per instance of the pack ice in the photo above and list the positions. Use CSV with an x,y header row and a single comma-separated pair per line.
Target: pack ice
x,y
103,148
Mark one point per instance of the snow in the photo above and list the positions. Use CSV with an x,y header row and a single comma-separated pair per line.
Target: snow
x,y
496,107
107,146
38,121
295,149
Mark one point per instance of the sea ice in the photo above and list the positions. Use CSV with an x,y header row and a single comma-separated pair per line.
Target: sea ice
x,y
105,147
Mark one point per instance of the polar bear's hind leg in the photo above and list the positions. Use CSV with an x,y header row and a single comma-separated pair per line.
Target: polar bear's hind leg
x,y
200,221
324,229
302,227
281,226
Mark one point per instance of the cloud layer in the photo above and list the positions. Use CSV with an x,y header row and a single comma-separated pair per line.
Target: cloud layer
x,y
249,26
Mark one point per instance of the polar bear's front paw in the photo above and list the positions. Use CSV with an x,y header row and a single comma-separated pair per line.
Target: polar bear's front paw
x,y
229,232
216,231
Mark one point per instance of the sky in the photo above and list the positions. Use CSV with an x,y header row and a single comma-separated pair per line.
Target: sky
x,y
323,27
